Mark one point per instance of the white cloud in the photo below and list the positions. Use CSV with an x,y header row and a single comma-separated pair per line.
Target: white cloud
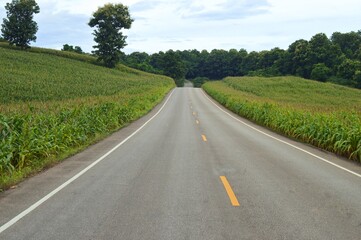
x,y
80,6
200,24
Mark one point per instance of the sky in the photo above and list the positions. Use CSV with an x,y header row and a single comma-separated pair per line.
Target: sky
x,y
160,25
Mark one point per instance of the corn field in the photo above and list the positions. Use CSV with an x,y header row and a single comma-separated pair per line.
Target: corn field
x,y
51,106
324,115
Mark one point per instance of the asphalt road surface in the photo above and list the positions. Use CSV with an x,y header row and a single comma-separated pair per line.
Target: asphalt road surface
x,y
193,171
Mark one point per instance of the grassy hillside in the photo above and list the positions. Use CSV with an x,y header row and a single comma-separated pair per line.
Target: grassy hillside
x,y
325,115
54,103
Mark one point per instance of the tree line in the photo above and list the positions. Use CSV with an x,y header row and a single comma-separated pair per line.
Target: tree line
x,y
336,59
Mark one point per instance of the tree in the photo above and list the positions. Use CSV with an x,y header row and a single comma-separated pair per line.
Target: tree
x,y
348,68
191,60
139,60
19,28
78,49
236,58
320,72
218,64
174,67
270,62
199,81
250,62
336,60
156,61
357,79
322,50
299,57
109,21
69,48
349,43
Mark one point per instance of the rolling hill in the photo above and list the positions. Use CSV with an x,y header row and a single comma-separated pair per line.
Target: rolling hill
x,y
54,103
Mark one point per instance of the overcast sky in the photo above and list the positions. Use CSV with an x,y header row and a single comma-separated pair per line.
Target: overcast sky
x,y
199,24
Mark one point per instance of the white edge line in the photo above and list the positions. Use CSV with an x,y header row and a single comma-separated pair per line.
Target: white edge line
x,y
277,139
51,194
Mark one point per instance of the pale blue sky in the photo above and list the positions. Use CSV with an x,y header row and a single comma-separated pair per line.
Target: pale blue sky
x,y
199,24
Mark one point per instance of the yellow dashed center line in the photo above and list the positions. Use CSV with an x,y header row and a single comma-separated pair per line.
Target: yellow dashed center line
x,y
230,192
197,121
204,138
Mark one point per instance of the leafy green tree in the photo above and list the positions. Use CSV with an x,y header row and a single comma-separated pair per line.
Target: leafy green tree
x,y
69,48
202,64
109,21
348,68
174,67
191,60
320,72
78,49
141,61
357,79
270,62
156,61
19,28
199,81
242,54
250,62
235,59
299,57
358,53
322,50
219,64
349,43
334,60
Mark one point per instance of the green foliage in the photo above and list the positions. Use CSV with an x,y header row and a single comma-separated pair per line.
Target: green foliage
x,y
325,115
320,58
320,72
348,69
179,82
173,66
218,64
19,28
109,21
69,48
357,79
199,81
267,72
322,50
141,61
349,43
169,64
51,105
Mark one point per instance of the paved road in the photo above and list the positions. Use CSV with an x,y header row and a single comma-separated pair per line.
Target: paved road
x,y
164,183
188,84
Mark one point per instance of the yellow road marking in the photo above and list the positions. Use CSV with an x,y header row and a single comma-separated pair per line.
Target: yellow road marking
x,y
230,192
194,113
204,138
197,121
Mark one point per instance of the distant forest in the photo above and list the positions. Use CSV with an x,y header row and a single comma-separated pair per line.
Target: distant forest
x,y
336,59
